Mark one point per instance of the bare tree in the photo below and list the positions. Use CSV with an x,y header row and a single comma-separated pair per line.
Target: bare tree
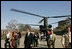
x,y
12,25
21,27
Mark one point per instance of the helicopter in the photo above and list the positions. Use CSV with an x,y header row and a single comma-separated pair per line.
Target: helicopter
x,y
45,27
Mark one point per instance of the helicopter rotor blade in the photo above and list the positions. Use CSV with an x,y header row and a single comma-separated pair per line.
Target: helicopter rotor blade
x,y
59,21
59,16
41,20
39,15
26,13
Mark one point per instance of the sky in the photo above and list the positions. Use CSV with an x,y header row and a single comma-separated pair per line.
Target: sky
x,y
43,8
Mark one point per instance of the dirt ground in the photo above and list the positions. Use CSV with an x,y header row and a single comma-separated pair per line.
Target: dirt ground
x,y
42,44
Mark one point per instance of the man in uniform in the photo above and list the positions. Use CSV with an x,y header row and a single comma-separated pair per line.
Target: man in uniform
x,y
48,36
66,39
54,39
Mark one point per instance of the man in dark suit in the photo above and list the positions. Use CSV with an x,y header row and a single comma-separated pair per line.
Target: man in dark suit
x,y
36,37
19,36
28,39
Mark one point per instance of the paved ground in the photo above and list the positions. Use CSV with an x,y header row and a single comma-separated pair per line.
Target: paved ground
x,y
42,44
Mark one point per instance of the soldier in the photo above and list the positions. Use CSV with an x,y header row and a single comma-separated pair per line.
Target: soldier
x,y
48,36
51,39
66,39
54,39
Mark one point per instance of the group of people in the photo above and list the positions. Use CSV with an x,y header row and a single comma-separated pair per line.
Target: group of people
x,y
65,40
31,40
12,39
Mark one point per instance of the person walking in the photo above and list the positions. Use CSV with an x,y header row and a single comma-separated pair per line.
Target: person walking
x,y
66,38
19,36
8,39
36,36
14,40
28,42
